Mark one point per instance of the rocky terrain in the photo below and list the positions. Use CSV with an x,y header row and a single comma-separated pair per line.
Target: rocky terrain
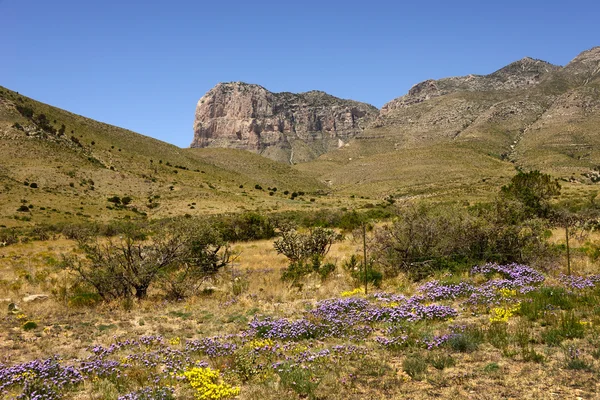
x,y
284,126
519,74
511,113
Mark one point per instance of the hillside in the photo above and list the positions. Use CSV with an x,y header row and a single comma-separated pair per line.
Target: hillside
x,y
464,135
451,139
65,167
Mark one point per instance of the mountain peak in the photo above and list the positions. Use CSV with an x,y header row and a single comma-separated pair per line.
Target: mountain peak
x,y
586,63
250,117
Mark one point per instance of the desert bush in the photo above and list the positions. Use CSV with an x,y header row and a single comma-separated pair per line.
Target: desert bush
x,y
302,246
355,268
243,227
424,238
178,256
415,366
305,251
9,236
533,190
25,111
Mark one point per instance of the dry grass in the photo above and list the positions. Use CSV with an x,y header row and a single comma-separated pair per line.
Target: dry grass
x,y
68,330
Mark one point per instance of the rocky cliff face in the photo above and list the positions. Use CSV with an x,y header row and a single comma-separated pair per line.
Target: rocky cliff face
x,y
514,111
284,126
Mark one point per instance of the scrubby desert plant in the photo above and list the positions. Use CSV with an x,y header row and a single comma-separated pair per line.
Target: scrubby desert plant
x,y
178,256
305,251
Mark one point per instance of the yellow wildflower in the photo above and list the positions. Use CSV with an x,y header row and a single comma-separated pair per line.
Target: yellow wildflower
x,y
206,383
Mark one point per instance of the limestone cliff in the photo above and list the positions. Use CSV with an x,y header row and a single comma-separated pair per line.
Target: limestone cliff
x,y
283,126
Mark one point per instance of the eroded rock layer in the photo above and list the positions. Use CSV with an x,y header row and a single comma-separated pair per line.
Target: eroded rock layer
x,y
284,126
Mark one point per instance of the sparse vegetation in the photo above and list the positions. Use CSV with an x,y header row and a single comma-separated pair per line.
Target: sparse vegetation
x,y
472,296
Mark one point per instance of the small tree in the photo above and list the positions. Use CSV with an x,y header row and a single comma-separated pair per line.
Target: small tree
x,y
533,190
305,251
177,256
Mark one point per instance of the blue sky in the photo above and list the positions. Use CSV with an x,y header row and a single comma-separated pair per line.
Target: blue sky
x,y
143,65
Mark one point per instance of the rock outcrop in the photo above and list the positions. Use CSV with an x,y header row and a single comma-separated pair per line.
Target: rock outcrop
x,y
517,75
284,126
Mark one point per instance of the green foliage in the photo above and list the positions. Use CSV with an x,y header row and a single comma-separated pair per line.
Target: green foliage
x,y
415,366
25,111
243,227
497,335
466,341
29,326
440,361
569,327
179,256
305,252
355,268
115,199
533,190
491,367
424,238
303,246
84,299
299,379
342,218
573,360
299,269
547,298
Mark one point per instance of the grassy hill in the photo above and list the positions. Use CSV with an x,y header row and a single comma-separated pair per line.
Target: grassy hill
x,y
459,145
63,166
464,143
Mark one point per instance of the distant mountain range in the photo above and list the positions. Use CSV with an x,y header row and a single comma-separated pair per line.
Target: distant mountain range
x,y
525,109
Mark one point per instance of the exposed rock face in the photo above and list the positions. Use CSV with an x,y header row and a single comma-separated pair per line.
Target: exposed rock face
x,y
245,116
586,64
519,74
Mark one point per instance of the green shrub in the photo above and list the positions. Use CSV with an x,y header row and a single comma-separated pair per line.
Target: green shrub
x,y
29,325
441,361
299,379
491,367
529,354
178,256
497,335
355,268
415,366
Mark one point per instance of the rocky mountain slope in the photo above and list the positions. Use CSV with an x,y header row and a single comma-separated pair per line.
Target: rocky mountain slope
x,y
499,111
494,112
459,135
284,126
57,166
